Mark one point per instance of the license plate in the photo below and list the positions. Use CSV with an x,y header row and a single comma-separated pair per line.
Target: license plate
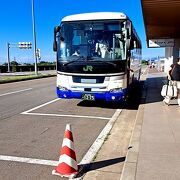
x,y
90,81
88,97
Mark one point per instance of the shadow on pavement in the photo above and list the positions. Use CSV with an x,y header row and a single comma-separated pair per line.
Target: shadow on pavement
x,y
148,91
153,89
99,103
84,168
132,102
134,98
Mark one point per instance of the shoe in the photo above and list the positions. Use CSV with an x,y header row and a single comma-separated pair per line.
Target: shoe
x,y
165,102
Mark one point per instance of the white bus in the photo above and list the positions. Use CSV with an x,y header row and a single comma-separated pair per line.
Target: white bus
x,y
98,56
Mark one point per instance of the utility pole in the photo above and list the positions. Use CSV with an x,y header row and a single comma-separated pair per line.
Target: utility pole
x,y
34,37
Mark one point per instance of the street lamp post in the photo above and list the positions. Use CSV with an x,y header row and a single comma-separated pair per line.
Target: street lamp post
x,y
34,37
8,56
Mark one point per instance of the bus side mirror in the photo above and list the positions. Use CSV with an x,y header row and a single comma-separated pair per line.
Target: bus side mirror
x,y
55,46
128,43
56,30
128,34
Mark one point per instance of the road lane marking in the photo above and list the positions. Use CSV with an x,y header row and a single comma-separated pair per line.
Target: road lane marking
x,y
42,105
28,112
14,92
29,160
66,115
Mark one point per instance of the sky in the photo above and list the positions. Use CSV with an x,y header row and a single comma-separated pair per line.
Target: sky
x,y
16,24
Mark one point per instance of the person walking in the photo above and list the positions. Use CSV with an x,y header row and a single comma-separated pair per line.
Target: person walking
x,y
174,76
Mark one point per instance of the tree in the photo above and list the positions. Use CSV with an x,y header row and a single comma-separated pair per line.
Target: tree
x,y
14,63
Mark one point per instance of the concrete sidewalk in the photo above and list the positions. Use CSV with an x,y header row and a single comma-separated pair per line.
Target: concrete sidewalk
x,y
153,152
159,152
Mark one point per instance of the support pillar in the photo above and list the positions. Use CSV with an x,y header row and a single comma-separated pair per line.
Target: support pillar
x,y
176,50
168,52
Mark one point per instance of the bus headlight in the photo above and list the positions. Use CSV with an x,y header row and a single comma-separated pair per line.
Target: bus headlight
x,y
115,90
61,88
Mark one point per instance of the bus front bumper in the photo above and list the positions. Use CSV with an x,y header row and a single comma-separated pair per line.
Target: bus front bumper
x,y
107,96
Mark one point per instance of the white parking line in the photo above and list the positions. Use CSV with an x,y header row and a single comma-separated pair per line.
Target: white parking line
x,y
86,159
37,107
66,115
14,92
28,112
28,160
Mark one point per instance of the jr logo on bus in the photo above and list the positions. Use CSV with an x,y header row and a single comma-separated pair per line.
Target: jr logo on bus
x,y
87,68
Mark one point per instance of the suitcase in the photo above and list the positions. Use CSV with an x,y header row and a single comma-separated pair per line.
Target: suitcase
x,y
169,89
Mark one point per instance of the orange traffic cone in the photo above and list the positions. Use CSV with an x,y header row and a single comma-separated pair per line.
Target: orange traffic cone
x,y
67,166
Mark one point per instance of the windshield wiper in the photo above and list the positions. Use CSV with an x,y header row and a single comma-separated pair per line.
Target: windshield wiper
x,y
97,59
73,61
88,59
108,63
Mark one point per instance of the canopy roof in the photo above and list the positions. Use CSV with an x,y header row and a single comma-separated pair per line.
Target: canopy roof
x,y
161,18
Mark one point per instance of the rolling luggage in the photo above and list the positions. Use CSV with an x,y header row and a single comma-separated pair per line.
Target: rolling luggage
x,y
169,89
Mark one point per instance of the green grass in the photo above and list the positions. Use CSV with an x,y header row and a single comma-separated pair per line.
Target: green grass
x,y
8,79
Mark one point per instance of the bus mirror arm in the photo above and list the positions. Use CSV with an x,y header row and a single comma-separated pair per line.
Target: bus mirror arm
x,y
128,34
129,53
56,30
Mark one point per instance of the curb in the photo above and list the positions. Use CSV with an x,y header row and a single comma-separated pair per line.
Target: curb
x,y
130,164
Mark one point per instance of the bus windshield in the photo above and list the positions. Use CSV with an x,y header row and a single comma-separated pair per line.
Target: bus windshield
x,y
91,40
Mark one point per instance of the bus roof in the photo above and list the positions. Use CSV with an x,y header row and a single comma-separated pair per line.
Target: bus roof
x,y
95,16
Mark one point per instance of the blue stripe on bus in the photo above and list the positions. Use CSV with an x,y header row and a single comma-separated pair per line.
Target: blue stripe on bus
x,y
108,96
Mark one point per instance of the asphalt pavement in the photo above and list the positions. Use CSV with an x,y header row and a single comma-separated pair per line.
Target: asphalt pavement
x,y
32,125
143,144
